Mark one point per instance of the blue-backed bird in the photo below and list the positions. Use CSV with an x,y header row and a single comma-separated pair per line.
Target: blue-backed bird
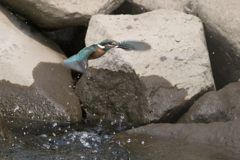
x,y
79,61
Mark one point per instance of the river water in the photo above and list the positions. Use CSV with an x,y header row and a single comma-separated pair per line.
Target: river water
x,y
28,139
40,140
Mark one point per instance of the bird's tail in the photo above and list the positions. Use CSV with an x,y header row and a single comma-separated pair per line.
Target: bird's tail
x,y
134,45
75,64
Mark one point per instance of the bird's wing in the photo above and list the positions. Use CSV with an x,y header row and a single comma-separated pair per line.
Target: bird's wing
x,y
78,62
134,45
87,51
75,64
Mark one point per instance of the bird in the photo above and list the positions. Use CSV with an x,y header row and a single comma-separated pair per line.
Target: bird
x,y
79,61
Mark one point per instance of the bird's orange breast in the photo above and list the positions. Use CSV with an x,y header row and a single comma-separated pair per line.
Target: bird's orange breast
x,y
96,54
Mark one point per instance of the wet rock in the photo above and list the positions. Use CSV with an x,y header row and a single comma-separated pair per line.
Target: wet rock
x,y
122,99
170,75
220,106
188,141
148,147
221,21
33,82
4,134
125,97
60,14
221,134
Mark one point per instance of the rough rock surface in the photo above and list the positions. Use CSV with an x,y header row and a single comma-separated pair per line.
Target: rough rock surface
x,y
192,141
61,13
33,82
220,106
127,98
178,53
161,4
173,72
221,22
122,98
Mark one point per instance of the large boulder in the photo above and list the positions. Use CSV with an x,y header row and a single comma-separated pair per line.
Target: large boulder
x,y
161,82
141,6
33,82
220,106
161,4
59,14
221,22
220,19
183,141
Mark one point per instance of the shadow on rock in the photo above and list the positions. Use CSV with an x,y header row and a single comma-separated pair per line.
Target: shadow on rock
x,y
49,98
215,106
124,97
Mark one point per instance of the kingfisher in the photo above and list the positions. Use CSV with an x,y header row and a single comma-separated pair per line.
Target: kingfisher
x,y
79,61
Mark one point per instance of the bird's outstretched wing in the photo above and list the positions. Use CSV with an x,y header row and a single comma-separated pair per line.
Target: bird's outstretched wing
x,y
134,45
75,63
78,62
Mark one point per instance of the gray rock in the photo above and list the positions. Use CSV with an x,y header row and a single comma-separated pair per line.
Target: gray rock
x,y
61,13
221,21
4,134
220,106
33,82
122,97
126,97
161,4
218,17
178,53
183,141
172,73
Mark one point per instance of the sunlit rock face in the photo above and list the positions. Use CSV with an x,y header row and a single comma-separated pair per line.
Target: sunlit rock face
x,y
221,21
169,76
59,14
161,4
189,141
220,106
33,82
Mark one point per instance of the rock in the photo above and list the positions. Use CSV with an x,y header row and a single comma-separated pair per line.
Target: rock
x,y
220,106
183,141
33,82
70,39
4,134
208,12
221,21
172,73
129,7
161,4
122,99
59,14
220,29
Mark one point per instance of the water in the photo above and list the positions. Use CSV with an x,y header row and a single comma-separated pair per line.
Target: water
x,y
40,140
72,145
60,141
